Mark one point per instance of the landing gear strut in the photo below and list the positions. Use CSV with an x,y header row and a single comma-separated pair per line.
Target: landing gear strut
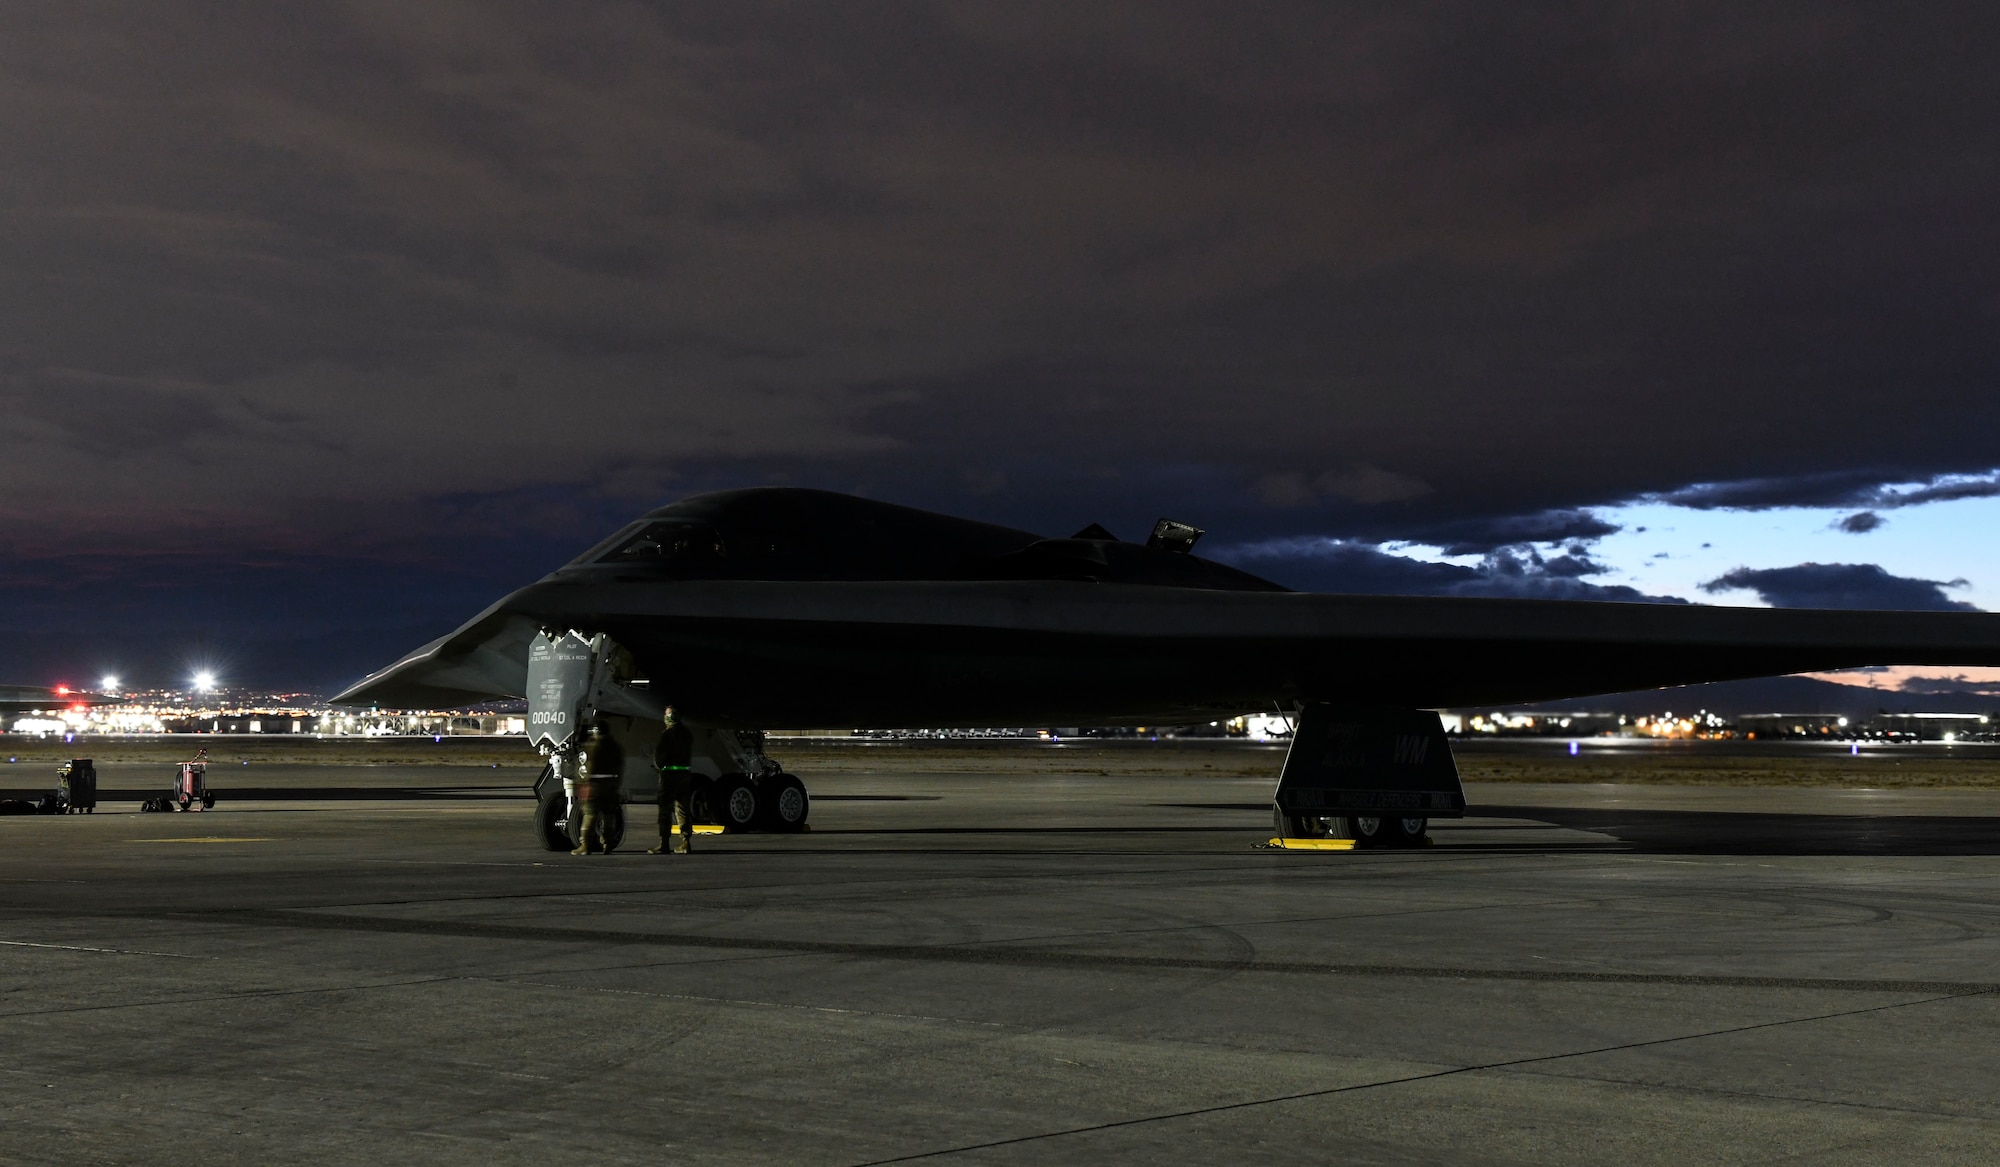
x,y
751,792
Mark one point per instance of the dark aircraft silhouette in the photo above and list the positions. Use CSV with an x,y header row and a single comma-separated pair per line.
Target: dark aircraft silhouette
x,y
788,608
785,608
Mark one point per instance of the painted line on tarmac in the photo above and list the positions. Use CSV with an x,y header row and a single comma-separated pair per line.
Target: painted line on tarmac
x,y
111,951
1050,958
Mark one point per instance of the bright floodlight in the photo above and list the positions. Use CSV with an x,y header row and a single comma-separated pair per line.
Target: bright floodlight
x,y
204,681
108,685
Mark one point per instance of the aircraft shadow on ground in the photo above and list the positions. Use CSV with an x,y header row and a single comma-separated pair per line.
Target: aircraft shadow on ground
x,y
1682,832
1695,832
25,802
1750,833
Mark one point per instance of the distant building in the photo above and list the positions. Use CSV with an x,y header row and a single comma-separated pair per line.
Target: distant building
x,y
1794,725
238,723
1916,727
1265,727
1931,727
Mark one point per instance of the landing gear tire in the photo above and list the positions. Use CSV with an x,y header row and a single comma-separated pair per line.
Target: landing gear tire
x,y
610,829
1370,831
1406,832
552,822
1303,826
735,802
785,803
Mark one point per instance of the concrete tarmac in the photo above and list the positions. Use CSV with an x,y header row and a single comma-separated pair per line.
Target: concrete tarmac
x,y
361,966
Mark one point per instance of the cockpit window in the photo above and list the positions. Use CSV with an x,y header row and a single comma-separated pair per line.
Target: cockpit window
x,y
665,542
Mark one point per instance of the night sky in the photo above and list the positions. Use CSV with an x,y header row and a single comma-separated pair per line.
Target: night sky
x,y
321,326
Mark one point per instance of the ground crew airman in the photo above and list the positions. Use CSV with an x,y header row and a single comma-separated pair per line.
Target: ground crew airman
x,y
597,791
674,757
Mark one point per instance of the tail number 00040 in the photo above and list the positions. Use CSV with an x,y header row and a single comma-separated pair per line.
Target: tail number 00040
x,y
549,717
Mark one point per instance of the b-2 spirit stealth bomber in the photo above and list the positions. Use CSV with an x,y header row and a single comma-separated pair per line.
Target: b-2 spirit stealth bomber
x,y
778,608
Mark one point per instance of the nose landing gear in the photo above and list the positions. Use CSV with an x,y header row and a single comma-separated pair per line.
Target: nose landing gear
x,y
556,828
575,680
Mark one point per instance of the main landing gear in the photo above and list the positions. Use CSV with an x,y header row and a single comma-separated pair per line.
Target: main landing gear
x,y
1345,759
771,801
1366,831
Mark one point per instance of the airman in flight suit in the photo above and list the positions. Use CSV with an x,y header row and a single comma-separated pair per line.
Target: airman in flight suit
x,y
674,756
603,770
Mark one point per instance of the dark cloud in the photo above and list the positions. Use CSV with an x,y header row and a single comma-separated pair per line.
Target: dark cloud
x,y
1861,523
1947,488
299,277
1839,488
1479,536
1880,489
1956,685
1338,258
1840,585
1333,565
